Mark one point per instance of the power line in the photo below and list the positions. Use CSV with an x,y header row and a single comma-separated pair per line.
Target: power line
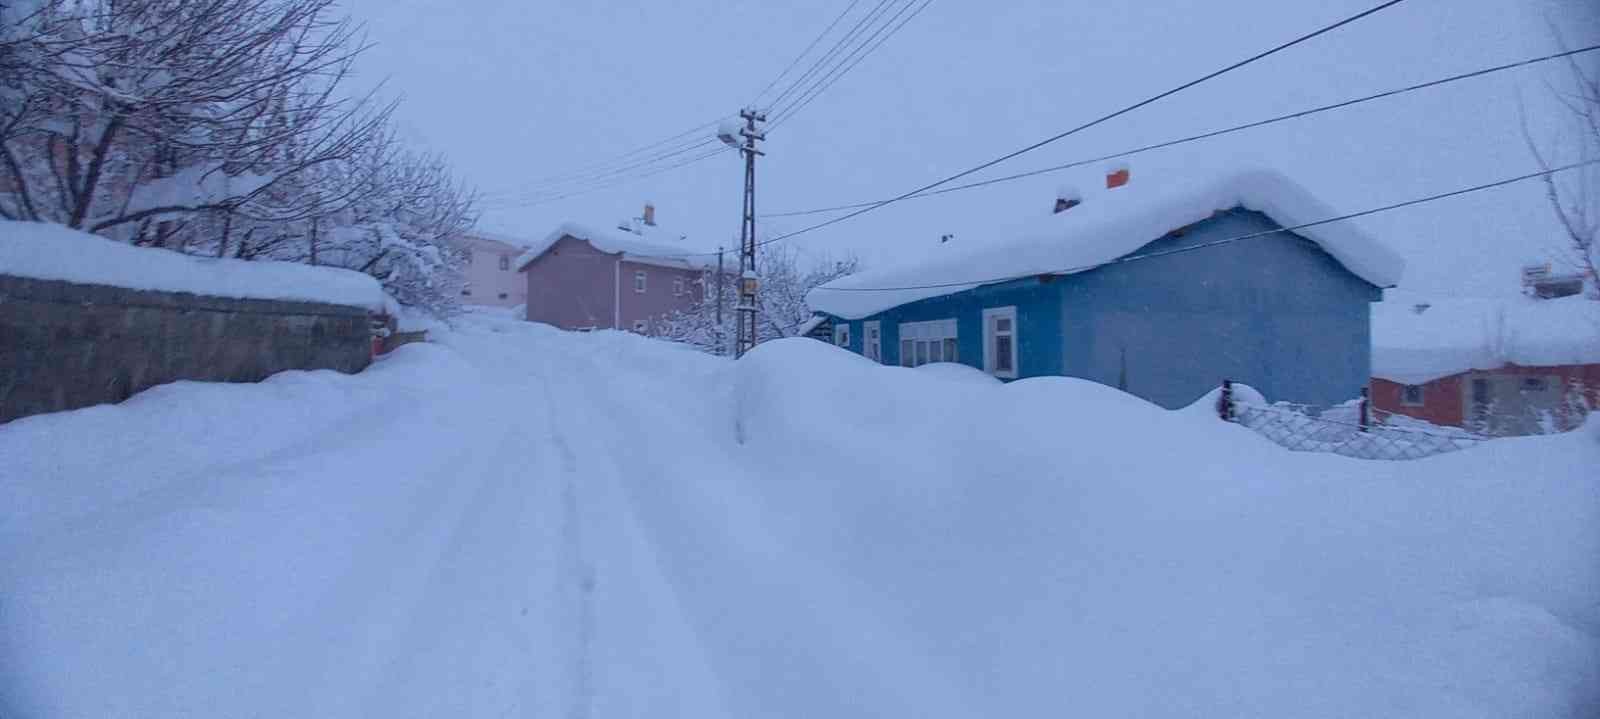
x,y
1236,65
622,180
625,157
630,165
1227,240
796,61
833,52
1206,135
853,59
1103,118
636,170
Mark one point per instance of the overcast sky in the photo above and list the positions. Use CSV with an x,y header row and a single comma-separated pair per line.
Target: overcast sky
x,y
513,92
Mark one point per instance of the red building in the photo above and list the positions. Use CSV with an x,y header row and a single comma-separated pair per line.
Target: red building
x,y
1510,367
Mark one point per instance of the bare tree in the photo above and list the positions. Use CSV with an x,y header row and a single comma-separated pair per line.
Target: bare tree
x,y
403,228
220,127
1574,195
164,110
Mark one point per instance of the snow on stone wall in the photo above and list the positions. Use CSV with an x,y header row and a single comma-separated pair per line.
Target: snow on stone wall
x,y
65,345
53,252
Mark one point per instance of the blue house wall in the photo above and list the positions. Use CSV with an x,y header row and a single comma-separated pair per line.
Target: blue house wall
x,y
1038,323
1276,312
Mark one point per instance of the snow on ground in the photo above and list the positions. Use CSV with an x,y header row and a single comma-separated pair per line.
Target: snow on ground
x,y
517,521
56,252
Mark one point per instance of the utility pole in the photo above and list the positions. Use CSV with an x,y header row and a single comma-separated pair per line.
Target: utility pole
x,y
749,283
722,342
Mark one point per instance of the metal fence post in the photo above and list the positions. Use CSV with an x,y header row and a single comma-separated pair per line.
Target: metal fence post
x,y
1366,412
1225,401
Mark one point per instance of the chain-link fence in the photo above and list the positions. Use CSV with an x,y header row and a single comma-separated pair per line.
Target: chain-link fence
x,y
1353,429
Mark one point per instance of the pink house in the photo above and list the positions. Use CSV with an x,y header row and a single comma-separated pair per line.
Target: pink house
x,y
579,278
491,274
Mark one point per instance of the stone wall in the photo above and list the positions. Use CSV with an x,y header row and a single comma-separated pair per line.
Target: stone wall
x,y
66,345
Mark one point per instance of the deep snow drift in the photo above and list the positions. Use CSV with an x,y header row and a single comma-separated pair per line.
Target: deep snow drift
x,y
517,521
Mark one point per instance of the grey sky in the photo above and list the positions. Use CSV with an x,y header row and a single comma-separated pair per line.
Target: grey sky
x,y
513,92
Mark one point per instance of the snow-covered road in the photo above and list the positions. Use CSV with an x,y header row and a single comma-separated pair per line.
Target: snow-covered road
x,y
520,522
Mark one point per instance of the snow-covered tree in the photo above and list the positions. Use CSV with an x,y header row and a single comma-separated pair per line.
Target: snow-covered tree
x,y
221,128
786,276
402,229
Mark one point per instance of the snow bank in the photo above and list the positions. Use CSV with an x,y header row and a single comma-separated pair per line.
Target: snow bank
x,y
1107,226
1052,546
656,246
514,520
54,252
957,372
1451,336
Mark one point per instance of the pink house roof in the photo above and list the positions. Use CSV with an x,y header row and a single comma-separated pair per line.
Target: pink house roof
x,y
652,246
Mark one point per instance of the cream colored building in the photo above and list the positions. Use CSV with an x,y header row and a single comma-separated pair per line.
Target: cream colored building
x,y
492,278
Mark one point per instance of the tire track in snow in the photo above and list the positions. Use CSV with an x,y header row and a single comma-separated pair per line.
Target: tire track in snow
x,y
578,575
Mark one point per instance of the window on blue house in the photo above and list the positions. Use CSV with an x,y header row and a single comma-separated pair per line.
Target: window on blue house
x,y
925,342
1000,341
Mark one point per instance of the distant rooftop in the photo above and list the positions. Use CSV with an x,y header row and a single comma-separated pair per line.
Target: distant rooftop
x,y
648,244
1417,340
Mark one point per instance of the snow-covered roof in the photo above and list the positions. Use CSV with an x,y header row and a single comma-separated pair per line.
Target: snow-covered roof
x,y
1106,226
513,241
653,246
811,324
54,252
1451,336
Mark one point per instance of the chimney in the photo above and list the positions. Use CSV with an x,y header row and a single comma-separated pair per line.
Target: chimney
x,y
1116,177
1067,197
649,215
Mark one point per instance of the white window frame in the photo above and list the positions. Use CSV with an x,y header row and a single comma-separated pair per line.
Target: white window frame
x,y
990,336
641,280
1422,395
925,336
841,335
505,263
677,286
872,341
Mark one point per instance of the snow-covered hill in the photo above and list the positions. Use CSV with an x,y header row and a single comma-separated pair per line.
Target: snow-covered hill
x,y
516,521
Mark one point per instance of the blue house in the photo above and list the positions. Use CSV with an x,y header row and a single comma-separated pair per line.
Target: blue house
x,y
1161,292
